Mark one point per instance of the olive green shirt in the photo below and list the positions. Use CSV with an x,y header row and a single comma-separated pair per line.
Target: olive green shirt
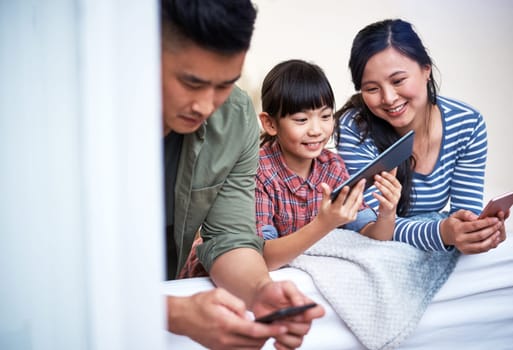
x,y
215,184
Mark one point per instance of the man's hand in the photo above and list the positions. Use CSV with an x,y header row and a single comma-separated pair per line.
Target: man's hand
x,y
276,295
218,320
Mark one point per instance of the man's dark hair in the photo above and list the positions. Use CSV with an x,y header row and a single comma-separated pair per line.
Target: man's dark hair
x,y
224,26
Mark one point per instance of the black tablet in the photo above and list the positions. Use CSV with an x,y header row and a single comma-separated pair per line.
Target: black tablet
x,y
392,157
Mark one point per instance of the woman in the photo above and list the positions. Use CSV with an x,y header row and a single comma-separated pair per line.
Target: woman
x,y
392,72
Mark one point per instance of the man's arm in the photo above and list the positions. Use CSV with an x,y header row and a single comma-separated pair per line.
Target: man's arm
x,y
251,281
230,223
242,279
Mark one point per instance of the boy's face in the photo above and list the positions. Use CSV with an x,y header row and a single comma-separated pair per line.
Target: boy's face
x,y
303,136
195,82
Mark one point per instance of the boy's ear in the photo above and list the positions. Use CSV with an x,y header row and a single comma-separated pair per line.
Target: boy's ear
x,y
268,123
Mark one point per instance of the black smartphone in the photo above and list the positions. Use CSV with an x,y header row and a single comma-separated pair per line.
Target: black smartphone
x,y
392,157
285,312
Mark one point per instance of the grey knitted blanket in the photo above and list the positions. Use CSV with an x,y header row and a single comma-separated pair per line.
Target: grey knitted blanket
x,y
380,289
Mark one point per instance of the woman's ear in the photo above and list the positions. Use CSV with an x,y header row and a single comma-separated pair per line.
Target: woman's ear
x,y
268,123
427,71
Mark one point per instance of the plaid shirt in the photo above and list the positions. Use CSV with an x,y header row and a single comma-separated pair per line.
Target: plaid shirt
x,y
285,202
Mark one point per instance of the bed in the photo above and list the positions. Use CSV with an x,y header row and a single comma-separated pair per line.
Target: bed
x,y
472,310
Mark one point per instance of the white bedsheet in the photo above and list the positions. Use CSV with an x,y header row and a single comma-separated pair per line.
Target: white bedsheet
x,y
473,310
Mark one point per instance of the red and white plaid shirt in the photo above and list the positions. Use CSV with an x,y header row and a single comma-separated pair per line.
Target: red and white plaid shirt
x,y
285,200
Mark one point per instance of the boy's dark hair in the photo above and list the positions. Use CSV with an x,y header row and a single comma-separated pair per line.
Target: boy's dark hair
x,y
293,86
223,26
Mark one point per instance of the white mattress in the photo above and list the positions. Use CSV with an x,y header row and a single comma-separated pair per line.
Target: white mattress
x,y
473,310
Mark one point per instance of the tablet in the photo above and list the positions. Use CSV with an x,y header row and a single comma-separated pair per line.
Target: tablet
x,y
497,204
392,157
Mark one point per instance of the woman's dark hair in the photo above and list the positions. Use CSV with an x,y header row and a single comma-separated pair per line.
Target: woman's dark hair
x,y
224,26
293,86
369,41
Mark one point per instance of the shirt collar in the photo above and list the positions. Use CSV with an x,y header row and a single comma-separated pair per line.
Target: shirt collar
x,y
293,181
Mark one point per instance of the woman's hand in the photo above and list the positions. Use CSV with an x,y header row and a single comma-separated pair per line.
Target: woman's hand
x,y
502,216
471,235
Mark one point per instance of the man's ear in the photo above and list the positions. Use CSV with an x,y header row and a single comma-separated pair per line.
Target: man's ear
x,y
268,123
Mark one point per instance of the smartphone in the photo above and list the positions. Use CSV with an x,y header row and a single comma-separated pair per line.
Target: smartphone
x,y
497,204
392,157
285,312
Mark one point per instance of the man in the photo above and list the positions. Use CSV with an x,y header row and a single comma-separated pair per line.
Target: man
x,y
211,154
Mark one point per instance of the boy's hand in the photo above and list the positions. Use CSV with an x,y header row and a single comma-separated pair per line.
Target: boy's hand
x,y
390,189
343,209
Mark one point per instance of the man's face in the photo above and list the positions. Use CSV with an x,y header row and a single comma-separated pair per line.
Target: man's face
x,y
195,82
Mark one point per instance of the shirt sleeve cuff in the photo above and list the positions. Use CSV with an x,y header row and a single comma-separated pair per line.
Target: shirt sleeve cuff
x,y
362,218
440,242
269,232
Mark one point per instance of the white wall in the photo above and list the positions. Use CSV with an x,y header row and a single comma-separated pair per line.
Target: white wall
x,y
80,176
469,41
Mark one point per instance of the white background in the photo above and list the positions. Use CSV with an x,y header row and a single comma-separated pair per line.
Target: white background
x,y
80,144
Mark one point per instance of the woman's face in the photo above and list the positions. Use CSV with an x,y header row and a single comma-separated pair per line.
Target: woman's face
x,y
394,88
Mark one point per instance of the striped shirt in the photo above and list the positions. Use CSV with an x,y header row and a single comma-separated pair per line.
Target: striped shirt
x,y
285,202
457,179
